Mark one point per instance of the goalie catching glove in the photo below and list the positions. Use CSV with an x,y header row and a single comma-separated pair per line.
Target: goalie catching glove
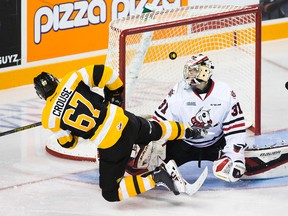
x,y
231,166
114,96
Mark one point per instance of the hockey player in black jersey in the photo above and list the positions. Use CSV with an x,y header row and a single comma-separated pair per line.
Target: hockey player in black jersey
x,y
73,110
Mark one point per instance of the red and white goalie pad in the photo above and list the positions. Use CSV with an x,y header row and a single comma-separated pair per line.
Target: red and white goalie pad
x,y
269,162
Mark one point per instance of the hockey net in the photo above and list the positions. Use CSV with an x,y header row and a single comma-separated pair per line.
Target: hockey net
x,y
139,48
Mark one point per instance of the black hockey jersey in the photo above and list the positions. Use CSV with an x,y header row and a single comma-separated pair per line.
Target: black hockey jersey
x,y
75,110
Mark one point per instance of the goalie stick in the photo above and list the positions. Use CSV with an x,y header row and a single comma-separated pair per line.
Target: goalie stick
x,y
180,183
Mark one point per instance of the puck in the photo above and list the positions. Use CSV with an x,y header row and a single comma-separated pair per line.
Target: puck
x,y
172,55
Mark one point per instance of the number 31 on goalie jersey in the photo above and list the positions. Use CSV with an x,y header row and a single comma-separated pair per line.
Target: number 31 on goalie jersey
x,y
163,106
236,109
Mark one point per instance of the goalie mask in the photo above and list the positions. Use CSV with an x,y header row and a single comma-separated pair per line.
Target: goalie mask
x,y
45,85
197,69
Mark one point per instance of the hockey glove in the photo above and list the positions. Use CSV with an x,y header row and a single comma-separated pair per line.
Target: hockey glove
x,y
139,159
227,170
231,166
195,132
115,96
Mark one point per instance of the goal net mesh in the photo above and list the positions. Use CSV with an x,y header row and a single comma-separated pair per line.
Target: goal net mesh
x,y
139,48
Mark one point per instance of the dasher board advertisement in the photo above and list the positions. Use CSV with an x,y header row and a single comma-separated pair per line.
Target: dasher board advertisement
x,y
10,33
62,28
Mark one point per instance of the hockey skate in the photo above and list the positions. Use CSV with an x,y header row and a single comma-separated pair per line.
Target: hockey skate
x,y
162,178
180,183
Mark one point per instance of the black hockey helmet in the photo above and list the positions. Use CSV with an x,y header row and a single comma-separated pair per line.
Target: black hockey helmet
x,y
45,85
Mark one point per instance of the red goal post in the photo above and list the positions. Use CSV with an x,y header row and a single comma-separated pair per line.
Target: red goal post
x,y
139,48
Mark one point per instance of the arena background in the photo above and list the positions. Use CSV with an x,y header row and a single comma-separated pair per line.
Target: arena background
x,y
34,42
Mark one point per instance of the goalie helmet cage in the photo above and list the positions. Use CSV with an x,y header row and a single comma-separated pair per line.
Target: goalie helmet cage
x,y
139,48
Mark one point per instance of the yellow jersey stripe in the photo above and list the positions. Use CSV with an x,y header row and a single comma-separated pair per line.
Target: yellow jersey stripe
x,y
141,185
182,133
110,131
122,192
100,132
129,183
86,76
105,77
115,85
166,129
114,75
172,130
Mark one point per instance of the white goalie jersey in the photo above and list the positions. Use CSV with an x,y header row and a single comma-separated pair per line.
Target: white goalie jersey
x,y
218,111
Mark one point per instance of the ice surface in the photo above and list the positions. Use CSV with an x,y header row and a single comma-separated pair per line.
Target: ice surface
x,y
34,183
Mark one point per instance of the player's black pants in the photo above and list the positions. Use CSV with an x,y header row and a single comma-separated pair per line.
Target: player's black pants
x,y
182,152
113,160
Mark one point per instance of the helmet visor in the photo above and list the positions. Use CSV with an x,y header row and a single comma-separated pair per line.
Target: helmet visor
x,y
190,72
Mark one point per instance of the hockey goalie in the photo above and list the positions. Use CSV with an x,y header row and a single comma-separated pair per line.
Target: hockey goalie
x,y
212,108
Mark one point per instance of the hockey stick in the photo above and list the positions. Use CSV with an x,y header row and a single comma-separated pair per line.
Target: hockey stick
x,y
181,184
193,188
20,128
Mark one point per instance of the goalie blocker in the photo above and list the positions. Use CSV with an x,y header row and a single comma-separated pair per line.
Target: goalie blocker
x,y
261,163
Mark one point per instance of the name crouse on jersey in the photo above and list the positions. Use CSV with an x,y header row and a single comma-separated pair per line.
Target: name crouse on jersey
x,y
73,110
218,111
